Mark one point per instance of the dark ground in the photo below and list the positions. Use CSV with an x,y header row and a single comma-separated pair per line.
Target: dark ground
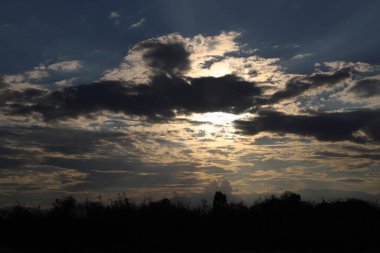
x,y
276,224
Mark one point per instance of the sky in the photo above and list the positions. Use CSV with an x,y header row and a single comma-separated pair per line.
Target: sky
x,y
179,99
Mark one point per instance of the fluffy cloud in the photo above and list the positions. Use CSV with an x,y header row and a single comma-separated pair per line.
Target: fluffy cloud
x,y
114,14
200,49
36,74
32,79
65,66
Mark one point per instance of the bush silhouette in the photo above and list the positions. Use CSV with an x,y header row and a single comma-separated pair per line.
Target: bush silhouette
x,y
290,197
64,207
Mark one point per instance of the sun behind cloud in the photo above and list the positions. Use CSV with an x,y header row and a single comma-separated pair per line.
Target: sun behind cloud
x,y
218,70
216,118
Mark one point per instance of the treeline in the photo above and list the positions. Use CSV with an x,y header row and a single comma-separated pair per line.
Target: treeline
x,y
275,223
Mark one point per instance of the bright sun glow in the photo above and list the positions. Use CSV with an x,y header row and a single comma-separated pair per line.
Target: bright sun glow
x,y
216,118
218,70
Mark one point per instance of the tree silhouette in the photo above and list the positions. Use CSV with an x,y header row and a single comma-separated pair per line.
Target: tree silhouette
x,y
220,201
290,197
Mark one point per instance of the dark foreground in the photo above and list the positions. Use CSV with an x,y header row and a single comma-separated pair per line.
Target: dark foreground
x,y
276,224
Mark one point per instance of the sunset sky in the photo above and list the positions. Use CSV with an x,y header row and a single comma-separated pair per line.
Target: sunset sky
x,y
182,98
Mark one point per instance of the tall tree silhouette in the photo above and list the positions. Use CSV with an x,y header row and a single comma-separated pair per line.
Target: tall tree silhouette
x,y
220,201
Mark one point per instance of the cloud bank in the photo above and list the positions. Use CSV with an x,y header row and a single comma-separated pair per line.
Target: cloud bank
x,y
179,113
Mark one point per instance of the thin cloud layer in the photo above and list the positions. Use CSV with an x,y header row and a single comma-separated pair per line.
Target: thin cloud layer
x,y
137,24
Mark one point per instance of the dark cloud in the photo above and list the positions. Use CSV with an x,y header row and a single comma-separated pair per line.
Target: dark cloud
x,y
92,163
10,163
53,139
169,57
298,85
357,126
351,180
142,175
3,83
16,96
167,93
366,88
33,150
38,147
161,98
361,149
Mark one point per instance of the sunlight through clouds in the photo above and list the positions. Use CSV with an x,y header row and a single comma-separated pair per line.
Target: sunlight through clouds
x,y
216,118
179,112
